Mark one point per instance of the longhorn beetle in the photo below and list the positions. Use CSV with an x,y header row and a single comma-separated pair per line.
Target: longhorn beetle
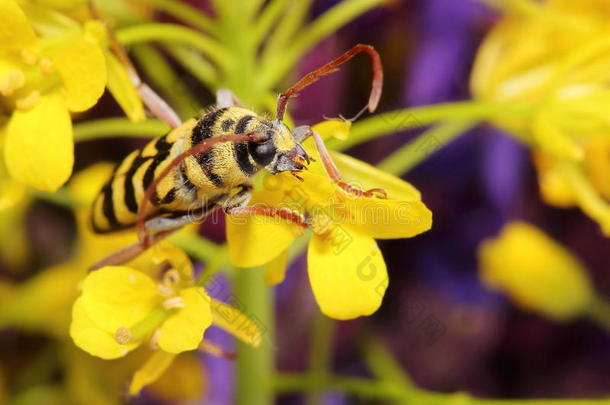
x,y
209,162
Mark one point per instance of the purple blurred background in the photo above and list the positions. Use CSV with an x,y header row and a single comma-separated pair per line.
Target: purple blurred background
x,y
443,326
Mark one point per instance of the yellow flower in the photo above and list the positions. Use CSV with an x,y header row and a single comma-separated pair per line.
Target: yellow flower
x,y
346,268
153,298
184,381
536,272
120,307
43,79
553,59
53,65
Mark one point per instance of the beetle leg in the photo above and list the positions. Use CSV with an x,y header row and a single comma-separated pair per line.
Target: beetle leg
x,y
132,251
156,229
157,106
272,212
240,199
334,174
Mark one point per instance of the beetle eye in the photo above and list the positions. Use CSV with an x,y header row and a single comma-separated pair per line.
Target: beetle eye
x,y
262,153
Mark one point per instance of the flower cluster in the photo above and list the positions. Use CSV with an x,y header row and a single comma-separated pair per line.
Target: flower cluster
x,y
346,268
552,59
51,66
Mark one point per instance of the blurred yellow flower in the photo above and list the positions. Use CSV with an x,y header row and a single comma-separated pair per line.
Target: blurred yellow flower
x,y
120,307
553,58
43,302
188,381
43,79
52,65
536,272
346,268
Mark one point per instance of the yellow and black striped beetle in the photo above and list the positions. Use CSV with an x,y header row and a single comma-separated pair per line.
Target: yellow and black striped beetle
x,y
200,163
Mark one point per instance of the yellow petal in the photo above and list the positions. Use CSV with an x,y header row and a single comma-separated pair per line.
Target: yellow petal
x,y
62,4
536,272
552,140
275,270
82,68
122,90
167,253
118,297
154,367
333,129
256,240
347,273
246,328
555,189
597,164
366,176
95,341
401,215
15,30
183,330
355,172
38,149
184,382
388,218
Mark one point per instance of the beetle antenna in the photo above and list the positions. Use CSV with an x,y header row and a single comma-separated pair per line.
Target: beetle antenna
x,y
331,67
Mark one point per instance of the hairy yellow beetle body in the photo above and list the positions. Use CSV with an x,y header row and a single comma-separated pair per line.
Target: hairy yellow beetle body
x,y
203,181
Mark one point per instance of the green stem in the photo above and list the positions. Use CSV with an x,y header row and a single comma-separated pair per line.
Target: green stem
x,y
420,148
162,77
372,389
383,365
118,127
236,35
599,312
284,32
268,19
320,356
279,63
186,13
255,365
399,120
173,33
289,383
587,197
196,64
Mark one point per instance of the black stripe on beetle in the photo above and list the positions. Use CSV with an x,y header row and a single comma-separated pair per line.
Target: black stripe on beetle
x,y
242,156
242,124
227,124
206,161
205,126
108,206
